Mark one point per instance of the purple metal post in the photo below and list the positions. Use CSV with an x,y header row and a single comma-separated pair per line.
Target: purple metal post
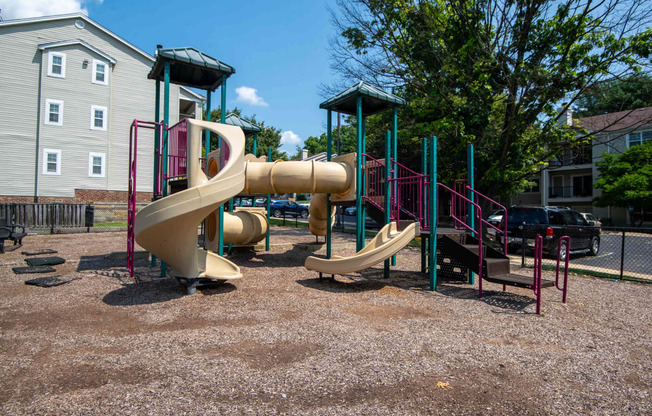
x,y
566,239
538,263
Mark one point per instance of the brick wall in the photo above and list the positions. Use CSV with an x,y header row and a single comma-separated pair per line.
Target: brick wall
x,y
84,196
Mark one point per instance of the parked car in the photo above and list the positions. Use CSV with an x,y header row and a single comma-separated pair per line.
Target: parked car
x,y
285,207
350,210
496,218
551,223
591,219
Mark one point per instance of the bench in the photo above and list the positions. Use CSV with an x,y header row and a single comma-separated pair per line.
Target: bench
x,y
8,232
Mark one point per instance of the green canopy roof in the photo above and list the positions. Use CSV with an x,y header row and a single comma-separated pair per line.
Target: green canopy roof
x,y
374,100
191,68
247,127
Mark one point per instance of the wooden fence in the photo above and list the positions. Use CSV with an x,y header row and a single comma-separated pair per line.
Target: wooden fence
x,y
46,216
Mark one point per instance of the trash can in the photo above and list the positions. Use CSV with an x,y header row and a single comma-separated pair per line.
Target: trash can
x,y
89,217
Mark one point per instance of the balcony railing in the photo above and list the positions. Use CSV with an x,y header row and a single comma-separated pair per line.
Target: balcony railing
x,y
570,160
569,191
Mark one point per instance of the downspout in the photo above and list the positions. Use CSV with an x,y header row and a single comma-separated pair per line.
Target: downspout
x,y
38,128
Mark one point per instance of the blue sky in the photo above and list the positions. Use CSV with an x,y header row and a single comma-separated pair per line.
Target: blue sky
x,y
278,48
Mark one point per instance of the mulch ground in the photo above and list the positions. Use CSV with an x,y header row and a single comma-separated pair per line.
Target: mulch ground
x,y
282,341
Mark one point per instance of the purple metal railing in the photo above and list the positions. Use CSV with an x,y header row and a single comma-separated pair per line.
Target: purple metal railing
x,y
177,140
565,239
375,181
538,266
131,194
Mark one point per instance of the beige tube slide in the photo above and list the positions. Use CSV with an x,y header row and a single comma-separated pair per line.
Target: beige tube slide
x,y
168,227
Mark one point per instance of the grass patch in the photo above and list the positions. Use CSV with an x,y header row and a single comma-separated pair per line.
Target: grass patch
x,y
595,273
110,224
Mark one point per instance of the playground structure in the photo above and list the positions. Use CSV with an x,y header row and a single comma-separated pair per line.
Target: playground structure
x,y
405,201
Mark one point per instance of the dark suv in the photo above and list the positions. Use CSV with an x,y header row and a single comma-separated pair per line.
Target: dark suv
x,y
551,223
284,207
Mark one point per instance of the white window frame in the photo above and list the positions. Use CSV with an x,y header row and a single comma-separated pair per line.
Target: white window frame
x,y
640,137
106,72
92,155
62,55
105,118
46,116
47,152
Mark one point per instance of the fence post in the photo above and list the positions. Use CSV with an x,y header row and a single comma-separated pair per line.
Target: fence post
x,y
622,256
523,243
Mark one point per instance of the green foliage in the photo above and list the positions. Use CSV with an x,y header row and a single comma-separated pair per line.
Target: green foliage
x,y
626,180
318,144
487,73
617,95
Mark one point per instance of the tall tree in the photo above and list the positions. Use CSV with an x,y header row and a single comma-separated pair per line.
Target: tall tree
x,y
490,72
626,179
620,94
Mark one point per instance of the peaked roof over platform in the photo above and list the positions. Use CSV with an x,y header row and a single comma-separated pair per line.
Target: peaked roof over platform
x,y
374,100
191,68
246,126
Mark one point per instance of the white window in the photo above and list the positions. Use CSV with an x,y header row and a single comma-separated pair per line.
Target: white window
x,y
53,112
100,72
96,165
98,117
639,137
51,162
57,64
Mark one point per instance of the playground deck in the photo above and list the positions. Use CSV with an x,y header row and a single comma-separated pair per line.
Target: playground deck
x,y
280,341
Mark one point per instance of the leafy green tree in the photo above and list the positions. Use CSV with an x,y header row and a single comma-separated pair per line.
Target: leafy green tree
x,y
620,94
626,179
318,144
487,72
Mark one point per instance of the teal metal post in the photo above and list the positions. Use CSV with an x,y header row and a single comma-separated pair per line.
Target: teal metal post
x,y
386,190
220,234
363,182
269,199
157,145
470,182
424,201
395,155
359,238
255,149
329,151
166,122
432,263
207,134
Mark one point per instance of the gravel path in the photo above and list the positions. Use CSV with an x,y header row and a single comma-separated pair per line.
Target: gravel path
x,y
281,341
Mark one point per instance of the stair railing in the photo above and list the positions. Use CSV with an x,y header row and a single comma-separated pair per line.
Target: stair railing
x,y
566,240
502,231
464,225
538,266
375,175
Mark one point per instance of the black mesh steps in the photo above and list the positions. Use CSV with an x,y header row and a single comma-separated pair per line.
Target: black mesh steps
x,y
517,280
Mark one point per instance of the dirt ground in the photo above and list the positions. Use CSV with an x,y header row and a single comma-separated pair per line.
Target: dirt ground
x,y
282,341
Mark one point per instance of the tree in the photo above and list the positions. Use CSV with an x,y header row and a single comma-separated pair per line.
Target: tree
x,y
620,94
489,73
626,179
318,144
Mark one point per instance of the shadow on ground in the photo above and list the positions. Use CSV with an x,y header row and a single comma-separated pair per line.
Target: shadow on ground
x,y
508,301
158,291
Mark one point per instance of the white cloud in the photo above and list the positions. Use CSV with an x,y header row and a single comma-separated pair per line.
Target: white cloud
x,y
18,9
249,95
290,137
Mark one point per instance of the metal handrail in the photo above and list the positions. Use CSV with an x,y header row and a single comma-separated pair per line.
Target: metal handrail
x,y
504,221
538,266
567,240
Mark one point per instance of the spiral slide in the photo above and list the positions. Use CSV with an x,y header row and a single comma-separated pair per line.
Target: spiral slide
x,y
385,244
168,227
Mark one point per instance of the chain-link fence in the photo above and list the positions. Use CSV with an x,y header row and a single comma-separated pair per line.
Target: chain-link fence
x,y
63,218
611,252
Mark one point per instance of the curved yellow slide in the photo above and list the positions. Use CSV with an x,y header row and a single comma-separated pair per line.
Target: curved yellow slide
x,y
168,227
385,244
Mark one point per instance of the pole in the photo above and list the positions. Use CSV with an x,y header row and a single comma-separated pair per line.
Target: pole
x,y
359,238
363,182
395,154
157,147
207,134
386,190
424,202
166,121
220,234
269,199
255,149
432,263
329,150
471,195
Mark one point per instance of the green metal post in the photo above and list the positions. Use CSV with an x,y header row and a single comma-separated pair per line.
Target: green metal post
x,y
386,190
207,134
363,182
432,263
329,150
269,199
470,182
166,122
157,145
220,236
395,155
359,238
424,201
255,149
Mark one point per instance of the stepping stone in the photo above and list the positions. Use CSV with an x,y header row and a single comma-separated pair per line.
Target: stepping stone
x,y
44,261
49,281
39,252
35,269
